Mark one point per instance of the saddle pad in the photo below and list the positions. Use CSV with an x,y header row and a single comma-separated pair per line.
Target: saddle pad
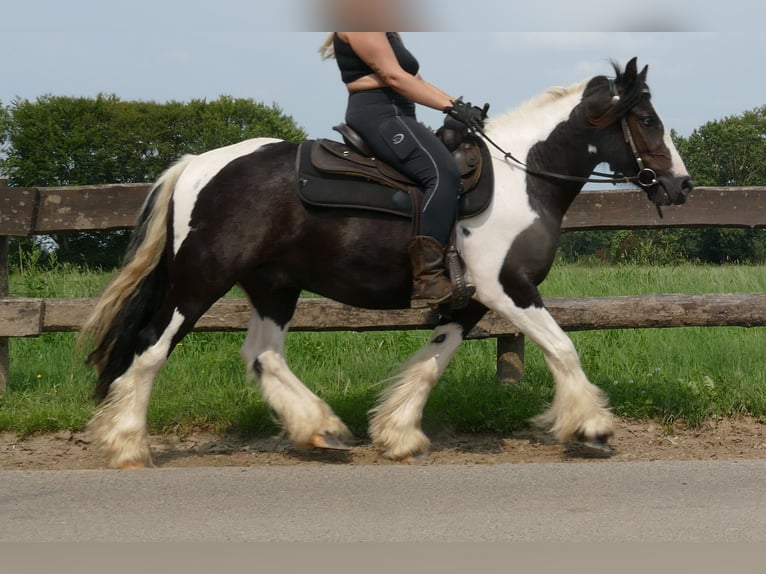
x,y
347,191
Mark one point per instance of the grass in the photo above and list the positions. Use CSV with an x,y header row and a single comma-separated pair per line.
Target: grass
x,y
670,374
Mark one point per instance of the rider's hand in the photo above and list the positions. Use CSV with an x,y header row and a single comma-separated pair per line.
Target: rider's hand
x,y
472,116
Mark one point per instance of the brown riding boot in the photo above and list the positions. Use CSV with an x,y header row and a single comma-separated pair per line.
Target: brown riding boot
x,y
430,284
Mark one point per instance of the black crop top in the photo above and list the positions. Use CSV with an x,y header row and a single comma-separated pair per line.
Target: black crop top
x,y
352,67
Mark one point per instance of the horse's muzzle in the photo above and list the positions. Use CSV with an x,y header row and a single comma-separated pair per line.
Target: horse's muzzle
x,y
672,190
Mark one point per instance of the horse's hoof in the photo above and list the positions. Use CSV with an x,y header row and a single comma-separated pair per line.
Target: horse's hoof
x,y
598,448
328,441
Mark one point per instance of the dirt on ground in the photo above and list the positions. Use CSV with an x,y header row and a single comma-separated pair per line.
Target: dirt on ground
x,y
724,439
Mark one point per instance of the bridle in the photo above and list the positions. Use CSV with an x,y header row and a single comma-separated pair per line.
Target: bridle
x,y
646,178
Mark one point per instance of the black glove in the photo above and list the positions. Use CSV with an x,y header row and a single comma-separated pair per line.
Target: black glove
x,y
470,115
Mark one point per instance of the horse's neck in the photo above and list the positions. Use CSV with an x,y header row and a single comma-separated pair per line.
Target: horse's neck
x,y
553,140
567,151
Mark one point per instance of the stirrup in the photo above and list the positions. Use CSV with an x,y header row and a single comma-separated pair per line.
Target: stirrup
x,y
462,292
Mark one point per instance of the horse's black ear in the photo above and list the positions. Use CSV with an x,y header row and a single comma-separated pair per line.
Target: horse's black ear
x,y
631,71
642,75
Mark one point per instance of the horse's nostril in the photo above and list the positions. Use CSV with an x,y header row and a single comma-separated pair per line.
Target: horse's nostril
x,y
687,185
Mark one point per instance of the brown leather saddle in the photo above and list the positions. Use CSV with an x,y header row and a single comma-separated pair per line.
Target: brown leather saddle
x,y
348,176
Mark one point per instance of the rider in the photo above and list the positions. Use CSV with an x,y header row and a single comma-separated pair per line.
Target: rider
x,y
384,85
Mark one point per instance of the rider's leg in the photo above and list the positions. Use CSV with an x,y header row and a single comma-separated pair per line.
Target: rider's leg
x,y
388,123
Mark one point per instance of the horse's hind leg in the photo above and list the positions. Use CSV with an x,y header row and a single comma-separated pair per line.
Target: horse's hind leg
x,y
306,419
395,424
119,424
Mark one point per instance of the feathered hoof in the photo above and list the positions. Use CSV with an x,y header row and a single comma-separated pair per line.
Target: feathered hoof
x,y
131,459
592,425
412,446
122,450
595,436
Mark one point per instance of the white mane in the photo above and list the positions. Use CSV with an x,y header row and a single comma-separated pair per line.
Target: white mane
x,y
526,110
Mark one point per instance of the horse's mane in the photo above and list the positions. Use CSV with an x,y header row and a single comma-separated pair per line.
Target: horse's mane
x,y
525,110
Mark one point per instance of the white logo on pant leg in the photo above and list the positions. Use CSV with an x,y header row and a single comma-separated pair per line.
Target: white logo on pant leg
x,y
398,138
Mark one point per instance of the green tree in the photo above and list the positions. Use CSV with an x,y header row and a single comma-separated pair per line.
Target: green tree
x,y
84,141
727,152
4,131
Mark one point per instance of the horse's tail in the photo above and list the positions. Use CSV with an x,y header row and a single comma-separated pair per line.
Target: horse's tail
x,y
128,303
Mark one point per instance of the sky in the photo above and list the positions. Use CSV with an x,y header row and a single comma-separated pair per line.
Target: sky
x,y
705,59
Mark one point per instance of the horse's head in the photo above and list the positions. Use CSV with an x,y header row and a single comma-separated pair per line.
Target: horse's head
x,y
630,136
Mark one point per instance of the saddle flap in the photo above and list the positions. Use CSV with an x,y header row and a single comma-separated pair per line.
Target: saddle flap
x,y
335,157
332,156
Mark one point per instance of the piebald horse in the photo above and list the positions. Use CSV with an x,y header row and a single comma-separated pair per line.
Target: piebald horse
x,y
231,216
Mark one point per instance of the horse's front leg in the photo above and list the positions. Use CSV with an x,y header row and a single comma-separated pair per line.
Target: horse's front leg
x,y
580,409
395,424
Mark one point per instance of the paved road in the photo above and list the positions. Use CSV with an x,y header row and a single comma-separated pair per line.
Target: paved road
x,y
603,501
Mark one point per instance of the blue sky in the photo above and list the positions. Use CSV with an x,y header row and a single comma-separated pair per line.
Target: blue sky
x,y
185,50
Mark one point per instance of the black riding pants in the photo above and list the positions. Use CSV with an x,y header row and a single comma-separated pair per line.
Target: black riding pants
x,y
388,124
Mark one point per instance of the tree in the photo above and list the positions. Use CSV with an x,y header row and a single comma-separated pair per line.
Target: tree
x,y
4,131
84,141
727,152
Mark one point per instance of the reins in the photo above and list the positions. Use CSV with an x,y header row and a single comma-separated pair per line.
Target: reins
x,y
602,177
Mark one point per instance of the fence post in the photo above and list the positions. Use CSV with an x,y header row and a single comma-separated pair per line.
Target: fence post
x,y
510,359
3,293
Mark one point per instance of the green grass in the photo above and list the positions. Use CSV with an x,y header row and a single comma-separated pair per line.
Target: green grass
x,y
669,374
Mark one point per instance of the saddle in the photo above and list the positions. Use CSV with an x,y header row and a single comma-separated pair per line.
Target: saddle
x,y
348,176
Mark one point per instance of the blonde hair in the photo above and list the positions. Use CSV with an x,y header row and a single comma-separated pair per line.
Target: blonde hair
x,y
327,49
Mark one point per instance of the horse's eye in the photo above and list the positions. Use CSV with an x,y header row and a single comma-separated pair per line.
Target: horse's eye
x,y
647,121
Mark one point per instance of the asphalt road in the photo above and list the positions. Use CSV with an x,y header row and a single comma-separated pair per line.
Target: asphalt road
x,y
590,502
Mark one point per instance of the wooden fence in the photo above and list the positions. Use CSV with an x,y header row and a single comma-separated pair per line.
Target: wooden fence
x,y
31,211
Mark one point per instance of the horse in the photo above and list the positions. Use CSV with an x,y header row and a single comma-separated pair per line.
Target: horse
x,y
231,216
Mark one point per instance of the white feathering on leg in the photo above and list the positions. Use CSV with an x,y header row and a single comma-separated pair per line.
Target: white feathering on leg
x,y
119,424
395,423
301,413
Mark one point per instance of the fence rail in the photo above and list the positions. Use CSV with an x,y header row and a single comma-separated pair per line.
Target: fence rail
x,y
22,317
31,211
39,210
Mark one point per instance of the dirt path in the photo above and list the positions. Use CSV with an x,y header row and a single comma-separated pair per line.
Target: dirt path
x,y
742,438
